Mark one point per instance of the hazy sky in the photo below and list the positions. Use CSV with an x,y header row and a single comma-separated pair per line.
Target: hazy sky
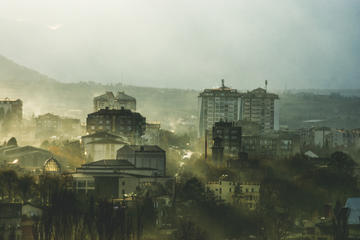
x,y
187,43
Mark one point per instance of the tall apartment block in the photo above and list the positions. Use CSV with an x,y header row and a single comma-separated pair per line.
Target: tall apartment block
x,y
218,104
261,107
109,100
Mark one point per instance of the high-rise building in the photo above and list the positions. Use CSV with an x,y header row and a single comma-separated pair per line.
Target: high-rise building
x,y
109,100
217,104
260,107
123,122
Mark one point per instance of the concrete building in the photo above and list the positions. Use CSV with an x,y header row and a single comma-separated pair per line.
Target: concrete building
x,y
218,104
229,135
244,194
279,143
144,156
115,179
109,100
11,113
152,134
261,107
123,122
101,145
48,125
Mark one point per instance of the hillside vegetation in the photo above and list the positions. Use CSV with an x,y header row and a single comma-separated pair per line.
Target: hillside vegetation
x,y
42,94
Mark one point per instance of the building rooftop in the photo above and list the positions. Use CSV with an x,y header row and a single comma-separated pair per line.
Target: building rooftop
x,y
142,148
121,111
259,92
107,141
124,97
109,163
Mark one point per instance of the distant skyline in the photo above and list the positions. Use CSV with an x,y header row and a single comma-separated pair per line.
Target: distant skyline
x,y
187,44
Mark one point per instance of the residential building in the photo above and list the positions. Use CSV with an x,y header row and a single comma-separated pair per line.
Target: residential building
x,y
123,122
144,156
49,125
115,179
279,143
109,100
229,135
261,107
11,113
244,194
217,104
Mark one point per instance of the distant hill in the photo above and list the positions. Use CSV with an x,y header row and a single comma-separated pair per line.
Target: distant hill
x,y
42,94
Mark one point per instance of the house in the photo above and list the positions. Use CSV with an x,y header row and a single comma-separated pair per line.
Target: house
x,y
244,194
144,156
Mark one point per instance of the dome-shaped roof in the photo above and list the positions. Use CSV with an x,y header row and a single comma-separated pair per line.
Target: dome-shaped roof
x,y
52,166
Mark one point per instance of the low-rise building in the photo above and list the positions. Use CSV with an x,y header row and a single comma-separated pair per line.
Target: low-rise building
x,y
279,143
27,157
115,179
144,156
243,194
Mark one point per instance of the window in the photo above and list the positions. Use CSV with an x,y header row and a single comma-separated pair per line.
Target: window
x,y
123,183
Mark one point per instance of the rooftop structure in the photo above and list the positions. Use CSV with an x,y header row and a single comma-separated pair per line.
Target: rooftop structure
x,y
109,100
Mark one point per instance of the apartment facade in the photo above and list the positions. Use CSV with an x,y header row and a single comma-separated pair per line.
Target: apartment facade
x,y
217,104
261,107
123,122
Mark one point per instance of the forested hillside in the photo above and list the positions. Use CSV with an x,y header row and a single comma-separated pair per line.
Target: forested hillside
x,y
42,94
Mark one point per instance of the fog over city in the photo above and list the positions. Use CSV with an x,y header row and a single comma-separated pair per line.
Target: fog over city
x,y
187,44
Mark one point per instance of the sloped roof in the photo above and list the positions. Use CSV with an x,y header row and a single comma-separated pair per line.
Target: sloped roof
x,y
143,148
107,141
107,94
353,204
110,163
122,97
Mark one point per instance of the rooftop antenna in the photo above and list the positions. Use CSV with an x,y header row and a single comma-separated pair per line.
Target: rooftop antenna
x,y
222,83
266,84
